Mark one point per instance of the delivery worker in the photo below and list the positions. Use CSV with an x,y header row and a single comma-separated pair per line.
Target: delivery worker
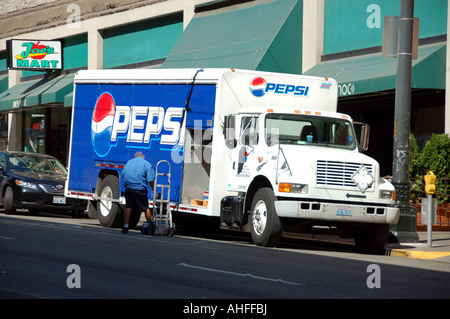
x,y
137,175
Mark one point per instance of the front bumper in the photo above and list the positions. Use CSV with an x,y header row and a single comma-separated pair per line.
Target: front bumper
x,y
339,212
43,201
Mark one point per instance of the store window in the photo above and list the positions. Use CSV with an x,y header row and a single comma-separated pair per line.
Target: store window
x,y
45,131
34,131
58,133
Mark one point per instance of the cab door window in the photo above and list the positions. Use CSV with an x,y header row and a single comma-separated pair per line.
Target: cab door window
x,y
249,130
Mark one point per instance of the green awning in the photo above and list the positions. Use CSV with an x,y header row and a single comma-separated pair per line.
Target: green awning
x,y
3,83
37,92
256,35
68,99
374,73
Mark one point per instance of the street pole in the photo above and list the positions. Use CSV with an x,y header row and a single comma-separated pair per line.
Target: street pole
x,y
430,220
430,189
405,230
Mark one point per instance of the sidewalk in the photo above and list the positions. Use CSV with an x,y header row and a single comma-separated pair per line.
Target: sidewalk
x,y
439,250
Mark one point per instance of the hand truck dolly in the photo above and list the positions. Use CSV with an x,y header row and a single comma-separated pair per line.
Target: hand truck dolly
x,y
162,213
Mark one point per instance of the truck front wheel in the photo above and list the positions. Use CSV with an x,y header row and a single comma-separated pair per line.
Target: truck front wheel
x,y
371,238
109,213
266,227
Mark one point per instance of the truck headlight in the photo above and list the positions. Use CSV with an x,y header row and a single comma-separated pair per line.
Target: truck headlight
x,y
387,194
293,188
25,184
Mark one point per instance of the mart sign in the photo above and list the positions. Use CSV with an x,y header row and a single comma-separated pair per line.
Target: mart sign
x,y
40,55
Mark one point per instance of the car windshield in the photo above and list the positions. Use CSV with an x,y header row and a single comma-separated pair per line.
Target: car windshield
x,y
36,163
310,130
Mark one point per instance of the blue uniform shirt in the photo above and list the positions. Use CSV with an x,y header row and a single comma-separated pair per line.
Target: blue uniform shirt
x,y
137,173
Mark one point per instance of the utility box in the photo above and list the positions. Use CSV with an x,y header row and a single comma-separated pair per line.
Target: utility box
x,y
425,209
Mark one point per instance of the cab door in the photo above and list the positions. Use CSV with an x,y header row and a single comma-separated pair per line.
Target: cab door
x,y
244,160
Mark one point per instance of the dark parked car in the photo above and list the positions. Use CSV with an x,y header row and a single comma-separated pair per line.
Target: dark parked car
x,y
35,182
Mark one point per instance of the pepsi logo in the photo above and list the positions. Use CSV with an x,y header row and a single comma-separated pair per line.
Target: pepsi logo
x,y
258,86
102,123
135,125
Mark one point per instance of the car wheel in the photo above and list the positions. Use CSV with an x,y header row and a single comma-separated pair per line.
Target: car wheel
x,y
109,213
8,201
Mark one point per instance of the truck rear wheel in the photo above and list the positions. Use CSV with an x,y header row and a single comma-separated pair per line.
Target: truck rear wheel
x,y
109,213
371,238
265,227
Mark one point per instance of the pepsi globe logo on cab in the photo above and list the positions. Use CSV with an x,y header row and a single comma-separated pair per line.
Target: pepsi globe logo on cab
x,y
259,87
134,124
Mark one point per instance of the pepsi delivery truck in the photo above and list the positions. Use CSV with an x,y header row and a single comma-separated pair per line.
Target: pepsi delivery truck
x,y
259,152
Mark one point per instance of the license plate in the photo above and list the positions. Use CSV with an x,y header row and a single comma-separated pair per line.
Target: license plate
x,y
59,200
344,211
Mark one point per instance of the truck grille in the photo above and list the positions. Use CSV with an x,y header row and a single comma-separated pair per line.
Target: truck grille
x,y
334,173
53,189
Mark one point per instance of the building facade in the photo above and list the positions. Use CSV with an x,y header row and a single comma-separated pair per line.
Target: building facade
x,y
335,38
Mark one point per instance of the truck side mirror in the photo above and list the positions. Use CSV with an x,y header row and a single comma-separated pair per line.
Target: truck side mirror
x,y
228,131
364,132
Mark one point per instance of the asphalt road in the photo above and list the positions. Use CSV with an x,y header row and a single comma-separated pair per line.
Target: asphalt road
x,y
41,259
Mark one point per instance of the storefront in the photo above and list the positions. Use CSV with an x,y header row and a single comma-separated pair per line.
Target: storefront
x,y
264,35
37,116
43,119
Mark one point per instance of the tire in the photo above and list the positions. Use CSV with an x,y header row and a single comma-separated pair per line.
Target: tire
x,y
266,228
109,213
8,201
371,238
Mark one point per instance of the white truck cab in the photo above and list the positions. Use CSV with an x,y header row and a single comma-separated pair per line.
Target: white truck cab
x,y
305,168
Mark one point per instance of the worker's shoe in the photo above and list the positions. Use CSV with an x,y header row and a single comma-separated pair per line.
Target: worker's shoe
x,y
125,230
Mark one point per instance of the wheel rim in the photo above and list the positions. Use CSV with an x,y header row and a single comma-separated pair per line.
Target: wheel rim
x,y
105,205
259,217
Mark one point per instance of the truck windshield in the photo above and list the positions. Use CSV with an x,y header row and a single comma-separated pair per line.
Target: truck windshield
x,y
310,130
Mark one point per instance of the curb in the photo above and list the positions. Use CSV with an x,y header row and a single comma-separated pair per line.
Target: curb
x,y
424,255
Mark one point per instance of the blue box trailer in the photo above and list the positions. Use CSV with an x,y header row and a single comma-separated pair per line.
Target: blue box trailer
x,y
114,116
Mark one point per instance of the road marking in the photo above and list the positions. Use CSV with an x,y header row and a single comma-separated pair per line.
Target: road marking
x,y
4,237
242,274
